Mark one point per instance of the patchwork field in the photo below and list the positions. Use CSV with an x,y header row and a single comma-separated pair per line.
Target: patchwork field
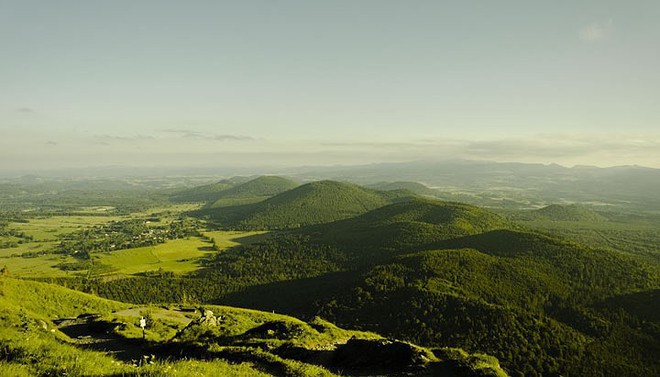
x,y
27,248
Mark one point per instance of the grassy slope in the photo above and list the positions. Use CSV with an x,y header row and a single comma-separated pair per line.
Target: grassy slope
x,y
31,345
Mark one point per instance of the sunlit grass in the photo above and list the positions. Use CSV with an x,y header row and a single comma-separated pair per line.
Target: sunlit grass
x,y
178,256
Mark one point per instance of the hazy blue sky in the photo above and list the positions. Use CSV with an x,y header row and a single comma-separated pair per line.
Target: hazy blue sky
x,y
85,83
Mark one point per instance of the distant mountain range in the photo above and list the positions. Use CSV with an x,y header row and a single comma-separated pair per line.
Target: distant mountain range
x,y
513,185
491,184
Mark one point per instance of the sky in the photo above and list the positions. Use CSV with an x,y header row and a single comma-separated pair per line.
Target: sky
x,y
160,83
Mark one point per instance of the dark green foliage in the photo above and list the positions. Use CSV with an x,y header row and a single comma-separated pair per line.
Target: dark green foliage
x,y
432,318
408,224
644,305
508,308
288,257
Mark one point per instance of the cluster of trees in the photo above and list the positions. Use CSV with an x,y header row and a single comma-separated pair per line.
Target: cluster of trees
x,y
11,237
288,257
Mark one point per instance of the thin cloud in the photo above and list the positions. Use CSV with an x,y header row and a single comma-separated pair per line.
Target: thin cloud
x,y
208,136
595,32
105,139
370,144
25,110
185,133
232,138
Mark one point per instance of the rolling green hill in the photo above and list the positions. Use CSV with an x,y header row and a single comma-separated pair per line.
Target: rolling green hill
x,y
253,191
405,225
312,203
204,193
413,187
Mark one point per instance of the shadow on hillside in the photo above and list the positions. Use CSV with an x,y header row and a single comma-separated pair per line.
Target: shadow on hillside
x,y
293,296
502,243
644,305
98,336
254,238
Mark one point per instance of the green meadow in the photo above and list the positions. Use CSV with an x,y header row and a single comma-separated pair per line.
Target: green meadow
x,y
49,228
179,256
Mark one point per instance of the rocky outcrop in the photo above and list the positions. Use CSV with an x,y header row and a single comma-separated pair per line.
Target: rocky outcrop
x,y
380,353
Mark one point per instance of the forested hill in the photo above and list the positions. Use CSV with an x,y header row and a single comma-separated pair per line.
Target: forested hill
x,y
252,191
236,190
312,203
204,193
405,225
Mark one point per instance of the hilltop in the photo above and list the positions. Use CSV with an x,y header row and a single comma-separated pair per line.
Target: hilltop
x,y
410,223
252,191
312,203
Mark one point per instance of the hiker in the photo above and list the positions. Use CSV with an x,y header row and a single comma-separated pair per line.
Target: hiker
x,y
143,324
